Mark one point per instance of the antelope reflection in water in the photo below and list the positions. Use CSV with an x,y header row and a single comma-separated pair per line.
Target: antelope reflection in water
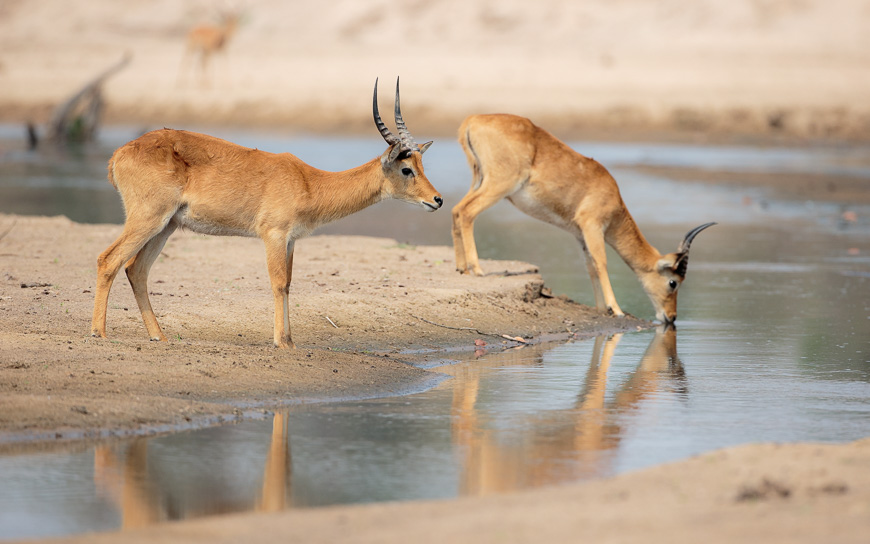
x,y
121,474
554,446
560,445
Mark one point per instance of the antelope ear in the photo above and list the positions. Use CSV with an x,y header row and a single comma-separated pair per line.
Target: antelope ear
x,y
395,150
424,147
667,262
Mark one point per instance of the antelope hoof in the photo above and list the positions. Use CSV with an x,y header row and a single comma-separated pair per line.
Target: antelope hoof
x,y
98,334
285,343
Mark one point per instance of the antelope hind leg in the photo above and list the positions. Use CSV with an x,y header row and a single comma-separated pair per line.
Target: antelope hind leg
x,y
137,273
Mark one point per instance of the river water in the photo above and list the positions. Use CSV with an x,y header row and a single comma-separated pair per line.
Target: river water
x,y
773,344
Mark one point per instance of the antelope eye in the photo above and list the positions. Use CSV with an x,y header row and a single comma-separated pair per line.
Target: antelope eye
x,y
673,284
407,171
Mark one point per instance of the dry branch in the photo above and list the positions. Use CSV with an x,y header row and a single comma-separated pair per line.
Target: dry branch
x,y
478,331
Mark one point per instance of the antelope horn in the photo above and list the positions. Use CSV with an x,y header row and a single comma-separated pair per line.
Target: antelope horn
x,y
382,128
682,263
404,134
687,241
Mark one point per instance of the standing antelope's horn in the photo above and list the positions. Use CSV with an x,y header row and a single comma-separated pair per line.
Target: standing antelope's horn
x,y
404,133
382,128
682,263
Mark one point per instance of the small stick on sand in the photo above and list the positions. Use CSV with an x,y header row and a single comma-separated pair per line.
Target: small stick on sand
x,y
7,231
478,331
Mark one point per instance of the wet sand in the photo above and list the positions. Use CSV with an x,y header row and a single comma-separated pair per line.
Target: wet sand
x,y
58,384
364,307
791,493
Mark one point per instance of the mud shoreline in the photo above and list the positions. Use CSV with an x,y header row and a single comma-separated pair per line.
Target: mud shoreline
x,y
791,493
365,308
62,386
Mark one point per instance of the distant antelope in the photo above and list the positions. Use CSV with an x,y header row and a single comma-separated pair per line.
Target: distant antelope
x,y
172,178
512,158
206,40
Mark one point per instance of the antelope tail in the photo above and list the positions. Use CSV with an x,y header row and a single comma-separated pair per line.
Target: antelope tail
x,y
111,172
476,167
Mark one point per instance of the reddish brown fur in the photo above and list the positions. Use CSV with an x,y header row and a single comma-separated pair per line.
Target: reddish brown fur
x,y
512,158
171,178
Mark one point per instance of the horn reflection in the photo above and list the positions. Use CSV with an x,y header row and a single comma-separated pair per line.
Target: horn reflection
x,y
562,445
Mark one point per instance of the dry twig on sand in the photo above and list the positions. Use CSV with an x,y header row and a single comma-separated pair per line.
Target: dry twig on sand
x,y
7,231
518,339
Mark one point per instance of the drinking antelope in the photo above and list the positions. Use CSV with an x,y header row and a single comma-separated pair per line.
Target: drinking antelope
x,y
512,158
173,178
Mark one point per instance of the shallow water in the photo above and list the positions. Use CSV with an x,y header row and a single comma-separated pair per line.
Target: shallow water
x,y
773,345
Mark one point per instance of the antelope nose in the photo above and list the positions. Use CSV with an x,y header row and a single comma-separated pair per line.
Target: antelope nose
x,y
439,201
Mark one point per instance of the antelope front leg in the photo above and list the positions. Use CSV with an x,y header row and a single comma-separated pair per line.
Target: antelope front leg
x,y
596,263
464,214
463,237
279,260
458,243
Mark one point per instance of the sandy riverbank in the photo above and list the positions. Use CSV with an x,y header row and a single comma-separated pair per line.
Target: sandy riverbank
x,y
213,300
58,383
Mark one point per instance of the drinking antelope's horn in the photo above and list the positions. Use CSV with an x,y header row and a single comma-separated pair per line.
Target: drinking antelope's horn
x,y
404,133
683,251
687,241
382,128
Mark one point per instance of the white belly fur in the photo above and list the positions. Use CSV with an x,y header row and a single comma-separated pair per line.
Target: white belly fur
x,y
204,227
533,208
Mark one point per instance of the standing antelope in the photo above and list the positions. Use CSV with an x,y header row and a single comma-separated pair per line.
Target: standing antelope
x,y
512,158
205,40
172,178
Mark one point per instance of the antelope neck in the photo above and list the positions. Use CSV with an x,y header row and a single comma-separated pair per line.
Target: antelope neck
x,y
629,242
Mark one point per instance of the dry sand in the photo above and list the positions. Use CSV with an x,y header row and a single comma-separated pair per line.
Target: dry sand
x,y
796,69
362,306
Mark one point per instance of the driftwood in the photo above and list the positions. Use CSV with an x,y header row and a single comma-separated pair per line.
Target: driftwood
x,y
78,118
